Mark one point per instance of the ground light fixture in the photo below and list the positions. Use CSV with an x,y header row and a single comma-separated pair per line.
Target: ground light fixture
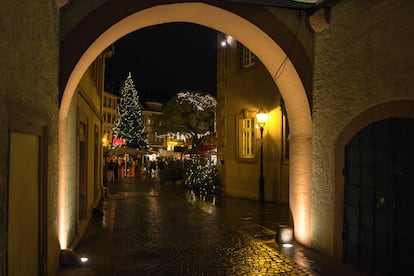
x,y
70,259
284,236
261,117
84,259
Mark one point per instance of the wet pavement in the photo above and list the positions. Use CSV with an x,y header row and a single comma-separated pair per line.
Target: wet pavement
x,y
153,228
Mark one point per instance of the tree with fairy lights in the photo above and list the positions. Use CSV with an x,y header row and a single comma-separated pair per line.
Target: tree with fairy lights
x,y
190,115
129,125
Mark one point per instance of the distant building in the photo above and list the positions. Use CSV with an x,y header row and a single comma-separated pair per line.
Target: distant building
x,y
109,113
151,110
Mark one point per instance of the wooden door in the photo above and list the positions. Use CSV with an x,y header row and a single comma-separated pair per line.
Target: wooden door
x,y
27,192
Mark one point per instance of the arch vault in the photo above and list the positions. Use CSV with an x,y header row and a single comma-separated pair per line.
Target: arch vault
x,y
260,31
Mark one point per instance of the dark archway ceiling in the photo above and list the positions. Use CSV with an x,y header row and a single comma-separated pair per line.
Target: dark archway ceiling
x,y
308,5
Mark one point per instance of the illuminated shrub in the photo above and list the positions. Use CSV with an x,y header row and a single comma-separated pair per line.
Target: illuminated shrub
x,y
200,176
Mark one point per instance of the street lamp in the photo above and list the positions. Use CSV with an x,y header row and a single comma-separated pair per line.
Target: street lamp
x,y
261,117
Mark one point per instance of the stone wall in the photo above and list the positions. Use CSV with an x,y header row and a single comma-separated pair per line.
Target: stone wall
x,y
363,59
29,77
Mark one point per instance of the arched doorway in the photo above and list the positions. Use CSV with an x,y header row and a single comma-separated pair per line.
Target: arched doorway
x,y
80,49
374,173
379,177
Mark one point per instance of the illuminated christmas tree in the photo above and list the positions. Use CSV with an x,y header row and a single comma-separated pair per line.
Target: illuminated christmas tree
x,y
129,125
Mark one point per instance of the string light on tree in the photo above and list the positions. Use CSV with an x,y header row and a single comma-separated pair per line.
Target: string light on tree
x,y
129,125
201,176
188,114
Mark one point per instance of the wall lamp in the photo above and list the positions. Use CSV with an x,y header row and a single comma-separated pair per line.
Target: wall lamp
x,y
261,117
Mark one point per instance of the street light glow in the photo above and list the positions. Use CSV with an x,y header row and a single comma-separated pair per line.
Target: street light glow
x,y
262,117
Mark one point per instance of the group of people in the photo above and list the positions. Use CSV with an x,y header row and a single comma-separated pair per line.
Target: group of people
x,y
151,166
112,169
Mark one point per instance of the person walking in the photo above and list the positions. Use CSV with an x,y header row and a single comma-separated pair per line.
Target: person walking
x,y
116,169
153,168
110,171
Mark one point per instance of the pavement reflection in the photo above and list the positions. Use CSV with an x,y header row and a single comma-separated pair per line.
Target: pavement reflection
x,y
153,228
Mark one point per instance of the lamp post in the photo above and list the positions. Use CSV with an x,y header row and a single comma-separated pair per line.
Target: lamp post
x,y
261,117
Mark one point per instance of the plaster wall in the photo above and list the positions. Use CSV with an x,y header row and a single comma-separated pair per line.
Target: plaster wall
x,y
363,59
29,77
295,21
73,12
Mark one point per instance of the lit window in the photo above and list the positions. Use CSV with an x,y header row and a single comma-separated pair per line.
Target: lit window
x,y
246,138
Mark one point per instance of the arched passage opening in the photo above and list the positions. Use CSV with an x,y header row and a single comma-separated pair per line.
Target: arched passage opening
x,y
76,60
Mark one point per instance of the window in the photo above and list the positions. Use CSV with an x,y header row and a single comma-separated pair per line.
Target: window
x,y
248,59
104,101
246,138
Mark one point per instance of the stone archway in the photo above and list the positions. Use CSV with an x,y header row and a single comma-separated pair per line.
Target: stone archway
x,y
79,49
393,109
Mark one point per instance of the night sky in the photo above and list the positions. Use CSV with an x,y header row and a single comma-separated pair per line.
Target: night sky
x,y
165,59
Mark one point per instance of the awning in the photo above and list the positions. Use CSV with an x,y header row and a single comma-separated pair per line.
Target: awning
x,y
124,150
205,148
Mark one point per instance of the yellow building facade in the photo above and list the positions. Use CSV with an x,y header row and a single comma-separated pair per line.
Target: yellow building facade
x,y
84,176
243,87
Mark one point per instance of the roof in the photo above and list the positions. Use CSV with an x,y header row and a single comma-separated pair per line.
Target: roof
x,y
308,5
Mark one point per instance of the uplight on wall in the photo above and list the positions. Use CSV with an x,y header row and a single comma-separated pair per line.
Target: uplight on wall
x,y
227,41
284,236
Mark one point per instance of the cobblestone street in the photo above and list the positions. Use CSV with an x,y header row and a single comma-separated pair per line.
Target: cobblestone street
x,y
153,228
